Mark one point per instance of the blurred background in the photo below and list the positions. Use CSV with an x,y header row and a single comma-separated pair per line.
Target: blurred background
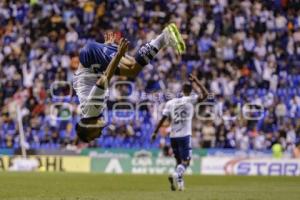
x,y
244,51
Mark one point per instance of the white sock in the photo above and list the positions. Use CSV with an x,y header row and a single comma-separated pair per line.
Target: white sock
x,y
180,185
175,175
158,42
180,169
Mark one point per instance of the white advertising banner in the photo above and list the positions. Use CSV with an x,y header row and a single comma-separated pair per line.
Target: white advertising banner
x,y
250,166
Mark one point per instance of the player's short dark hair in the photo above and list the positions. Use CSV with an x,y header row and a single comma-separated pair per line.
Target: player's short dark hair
x,y
86,133
187,88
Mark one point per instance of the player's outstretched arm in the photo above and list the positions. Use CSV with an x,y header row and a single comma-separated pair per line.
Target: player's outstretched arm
x,y
103,81
161,121
199,88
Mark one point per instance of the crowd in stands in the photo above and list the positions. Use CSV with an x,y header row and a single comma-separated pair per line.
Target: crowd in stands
x,y
244,51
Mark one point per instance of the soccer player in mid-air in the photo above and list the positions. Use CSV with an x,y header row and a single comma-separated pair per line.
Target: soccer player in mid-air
x,y
180,112
99,62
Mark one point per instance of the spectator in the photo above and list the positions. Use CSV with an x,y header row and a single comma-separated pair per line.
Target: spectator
x,y
208,135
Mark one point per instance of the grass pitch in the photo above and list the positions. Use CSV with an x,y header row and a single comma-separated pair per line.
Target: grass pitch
x,y
67,186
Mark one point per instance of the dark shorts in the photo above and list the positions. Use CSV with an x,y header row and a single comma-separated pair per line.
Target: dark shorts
x,y
97,56
182,148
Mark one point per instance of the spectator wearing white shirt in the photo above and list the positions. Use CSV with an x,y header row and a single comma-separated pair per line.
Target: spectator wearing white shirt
x,y
28,76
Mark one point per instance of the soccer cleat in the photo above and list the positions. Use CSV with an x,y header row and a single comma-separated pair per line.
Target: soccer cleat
x,y
172,182
174,38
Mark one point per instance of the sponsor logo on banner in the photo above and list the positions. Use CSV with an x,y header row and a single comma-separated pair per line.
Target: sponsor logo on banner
x,y
140,162
276,167
264,166
52,163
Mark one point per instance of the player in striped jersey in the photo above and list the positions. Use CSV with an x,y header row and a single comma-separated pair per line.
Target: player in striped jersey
x,y
99,62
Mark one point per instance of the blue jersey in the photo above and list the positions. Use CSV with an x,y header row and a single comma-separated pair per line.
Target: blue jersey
x,y
94,57
97,56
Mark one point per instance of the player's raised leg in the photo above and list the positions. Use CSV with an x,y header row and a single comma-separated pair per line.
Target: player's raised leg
x,y
170,36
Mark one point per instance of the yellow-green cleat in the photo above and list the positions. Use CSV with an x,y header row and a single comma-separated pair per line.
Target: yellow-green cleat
x,y
174,38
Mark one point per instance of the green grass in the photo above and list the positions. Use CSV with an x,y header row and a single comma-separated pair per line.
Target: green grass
x,y
67,186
